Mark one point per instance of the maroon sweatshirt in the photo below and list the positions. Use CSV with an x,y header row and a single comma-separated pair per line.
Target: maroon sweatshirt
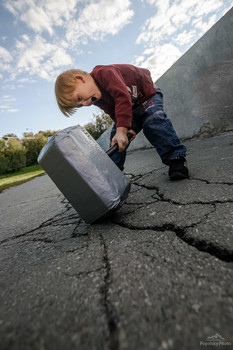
x,y
123,87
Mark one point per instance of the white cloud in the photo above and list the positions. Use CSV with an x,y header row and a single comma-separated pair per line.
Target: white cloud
x,y
98,19
178,23
184,37
44,14
5,59
9,87
161,59
204,26
26,80
6,106
172,17
81,21
13,110
139,60
8,98
5,55
94,20
72,23
38,57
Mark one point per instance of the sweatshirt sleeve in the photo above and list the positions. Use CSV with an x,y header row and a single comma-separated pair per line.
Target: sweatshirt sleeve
x,y
113,83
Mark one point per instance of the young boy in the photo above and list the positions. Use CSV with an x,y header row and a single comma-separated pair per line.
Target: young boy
x,y
128,95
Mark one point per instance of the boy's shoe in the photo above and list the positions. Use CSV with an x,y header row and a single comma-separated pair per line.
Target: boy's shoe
x,y
177,169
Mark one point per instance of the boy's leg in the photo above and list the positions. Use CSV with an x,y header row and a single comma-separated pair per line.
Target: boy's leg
x,y
159,130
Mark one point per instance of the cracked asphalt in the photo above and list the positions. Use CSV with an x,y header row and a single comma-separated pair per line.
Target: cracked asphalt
x,y
156,275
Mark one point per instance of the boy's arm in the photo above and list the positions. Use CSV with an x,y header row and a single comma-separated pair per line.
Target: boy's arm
x,y
121,137
112,82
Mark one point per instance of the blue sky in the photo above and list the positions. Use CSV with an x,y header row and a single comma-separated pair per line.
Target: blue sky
x,y
41,38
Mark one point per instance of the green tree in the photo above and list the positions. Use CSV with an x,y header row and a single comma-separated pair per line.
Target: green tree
x,y
14,154
99,125
33,146
10,135
4,162
47,133
28,135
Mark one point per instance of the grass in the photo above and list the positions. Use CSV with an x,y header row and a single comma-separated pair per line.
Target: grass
x,y
19,177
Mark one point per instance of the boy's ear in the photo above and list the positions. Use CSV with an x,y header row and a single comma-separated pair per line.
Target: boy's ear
x,y
80,77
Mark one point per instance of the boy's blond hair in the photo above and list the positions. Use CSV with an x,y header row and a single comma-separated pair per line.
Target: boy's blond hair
x,y
64,87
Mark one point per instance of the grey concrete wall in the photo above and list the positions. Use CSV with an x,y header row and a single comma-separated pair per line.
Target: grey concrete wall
x,y
198,88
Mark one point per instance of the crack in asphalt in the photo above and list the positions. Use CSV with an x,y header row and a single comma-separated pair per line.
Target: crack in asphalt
x,y
81,228
181,231
212,182
172,201
113,339
49,222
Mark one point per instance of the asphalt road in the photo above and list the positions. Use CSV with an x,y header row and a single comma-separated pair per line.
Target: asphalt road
x,y
156,275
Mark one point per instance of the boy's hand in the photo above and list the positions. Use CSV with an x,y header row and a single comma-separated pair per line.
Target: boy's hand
x,y
121,138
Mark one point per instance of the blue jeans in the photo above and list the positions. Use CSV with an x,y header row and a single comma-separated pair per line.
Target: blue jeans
x,y
157,128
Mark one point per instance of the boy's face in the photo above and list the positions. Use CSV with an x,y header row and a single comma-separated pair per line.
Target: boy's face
x,y
86,91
